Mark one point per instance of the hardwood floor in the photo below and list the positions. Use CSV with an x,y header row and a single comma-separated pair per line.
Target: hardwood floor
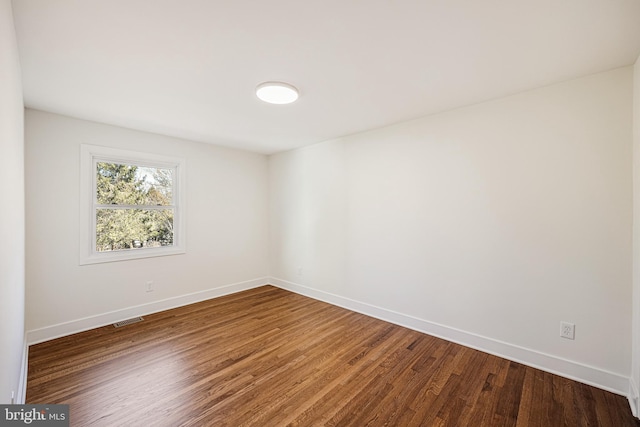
x,y
268,357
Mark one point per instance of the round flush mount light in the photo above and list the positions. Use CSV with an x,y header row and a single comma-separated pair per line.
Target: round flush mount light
x,y
277,92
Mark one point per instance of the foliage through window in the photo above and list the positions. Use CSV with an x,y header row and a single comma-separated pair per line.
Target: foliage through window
x,y
134,205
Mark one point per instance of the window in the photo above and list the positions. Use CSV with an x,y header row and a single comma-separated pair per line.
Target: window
x,y
132,205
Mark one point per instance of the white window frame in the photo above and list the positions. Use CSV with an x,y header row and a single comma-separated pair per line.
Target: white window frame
x,y
90,156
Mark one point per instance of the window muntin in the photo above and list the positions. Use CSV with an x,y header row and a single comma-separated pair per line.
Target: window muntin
x,y
135,203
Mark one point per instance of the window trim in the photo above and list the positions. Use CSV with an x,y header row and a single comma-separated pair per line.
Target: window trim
x,y
89,156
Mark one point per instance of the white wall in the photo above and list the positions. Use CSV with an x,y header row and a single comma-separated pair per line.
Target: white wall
x,y
12,261
227,229
488,225
635,368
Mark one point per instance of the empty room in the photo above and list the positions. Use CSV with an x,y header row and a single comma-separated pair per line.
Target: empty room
x,y
410,213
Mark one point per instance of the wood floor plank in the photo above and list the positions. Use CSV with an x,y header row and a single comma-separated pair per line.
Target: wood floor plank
x,y
268,357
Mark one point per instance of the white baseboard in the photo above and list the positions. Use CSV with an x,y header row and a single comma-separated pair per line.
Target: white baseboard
x,y
67,328
590,375
634,398
22,382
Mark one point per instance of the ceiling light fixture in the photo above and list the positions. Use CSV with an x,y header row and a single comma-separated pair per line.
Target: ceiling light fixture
x,y
277,92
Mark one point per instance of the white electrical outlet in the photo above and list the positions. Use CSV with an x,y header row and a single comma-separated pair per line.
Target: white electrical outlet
x,y
13,397
149,287
567,330
299,271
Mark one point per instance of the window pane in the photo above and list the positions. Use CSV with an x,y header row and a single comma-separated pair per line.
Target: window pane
x,y
127,184
120,229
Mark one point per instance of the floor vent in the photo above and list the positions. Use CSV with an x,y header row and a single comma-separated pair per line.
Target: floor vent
x,y
127,322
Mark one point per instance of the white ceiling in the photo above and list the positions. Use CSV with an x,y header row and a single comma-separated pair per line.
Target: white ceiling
x,y
188,68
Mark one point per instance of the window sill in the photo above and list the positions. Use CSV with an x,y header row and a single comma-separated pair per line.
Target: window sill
x,y
131,254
